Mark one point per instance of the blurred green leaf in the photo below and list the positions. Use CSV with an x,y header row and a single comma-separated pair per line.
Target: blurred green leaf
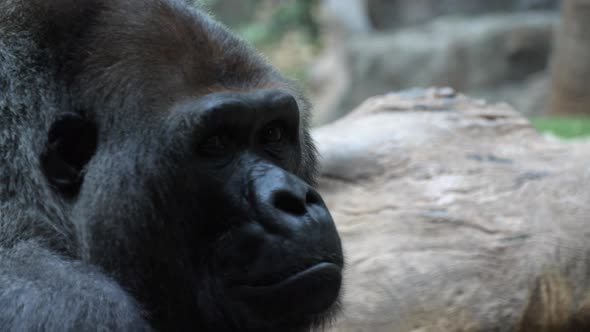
x,y
566,127
294,15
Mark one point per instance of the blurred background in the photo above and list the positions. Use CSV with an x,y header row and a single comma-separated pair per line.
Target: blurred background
x,y
532,54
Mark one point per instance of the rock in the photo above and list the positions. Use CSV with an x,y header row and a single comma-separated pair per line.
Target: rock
x,y
471,55
391,14
345,17
456,215
529,96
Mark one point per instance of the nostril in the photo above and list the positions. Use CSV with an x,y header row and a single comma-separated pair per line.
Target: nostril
x,y
313,197
288,202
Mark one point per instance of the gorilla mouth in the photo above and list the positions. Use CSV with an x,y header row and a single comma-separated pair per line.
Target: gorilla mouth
x,y
308,292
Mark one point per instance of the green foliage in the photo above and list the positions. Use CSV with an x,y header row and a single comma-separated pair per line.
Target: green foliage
x,y
566,127
286,31
286,16
272,19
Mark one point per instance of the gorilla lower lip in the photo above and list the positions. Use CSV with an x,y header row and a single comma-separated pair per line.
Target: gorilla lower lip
x,y
311,291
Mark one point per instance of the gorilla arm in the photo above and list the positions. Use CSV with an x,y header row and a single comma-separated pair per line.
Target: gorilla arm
x,y
40,291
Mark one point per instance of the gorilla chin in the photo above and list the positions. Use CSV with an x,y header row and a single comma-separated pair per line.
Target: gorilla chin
x,y
308,294
165,176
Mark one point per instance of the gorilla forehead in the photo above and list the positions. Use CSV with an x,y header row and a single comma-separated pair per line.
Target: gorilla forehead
x,y
164,52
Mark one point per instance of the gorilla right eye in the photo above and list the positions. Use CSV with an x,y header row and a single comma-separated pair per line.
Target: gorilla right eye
x,y
272,134
71,143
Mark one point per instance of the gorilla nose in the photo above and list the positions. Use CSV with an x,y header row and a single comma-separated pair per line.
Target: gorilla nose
x,y
284,202
293,201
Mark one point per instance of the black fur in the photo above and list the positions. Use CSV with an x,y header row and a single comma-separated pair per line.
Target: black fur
x,y
119,210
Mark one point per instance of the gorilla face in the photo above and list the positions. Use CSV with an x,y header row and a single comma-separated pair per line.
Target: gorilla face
x,y
186,170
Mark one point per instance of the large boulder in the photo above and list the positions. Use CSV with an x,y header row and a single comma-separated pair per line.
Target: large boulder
x,y
492,55
456,215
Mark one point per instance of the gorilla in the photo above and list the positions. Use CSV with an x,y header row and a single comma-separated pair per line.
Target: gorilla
x,y
155,174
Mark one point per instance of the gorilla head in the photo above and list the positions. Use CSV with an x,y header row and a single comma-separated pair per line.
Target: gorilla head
x,y
158,154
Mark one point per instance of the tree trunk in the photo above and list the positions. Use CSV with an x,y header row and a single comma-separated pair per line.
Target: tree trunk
x,y
571,64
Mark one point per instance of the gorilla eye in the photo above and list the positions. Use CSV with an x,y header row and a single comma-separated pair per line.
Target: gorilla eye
x,y
272,134
215,145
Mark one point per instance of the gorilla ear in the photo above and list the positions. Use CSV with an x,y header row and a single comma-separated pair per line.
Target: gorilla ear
x,y
71,143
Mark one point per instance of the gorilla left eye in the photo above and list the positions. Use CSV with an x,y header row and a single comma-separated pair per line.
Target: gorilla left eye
x,y
272,134
215,145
